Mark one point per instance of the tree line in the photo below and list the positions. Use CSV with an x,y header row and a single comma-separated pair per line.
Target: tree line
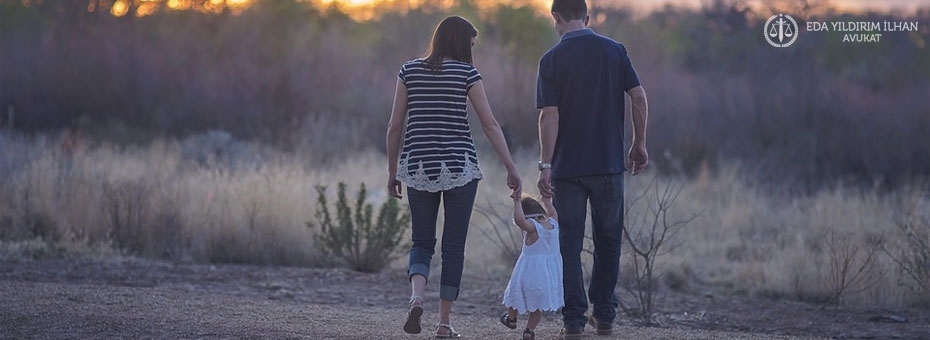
x,y
295,75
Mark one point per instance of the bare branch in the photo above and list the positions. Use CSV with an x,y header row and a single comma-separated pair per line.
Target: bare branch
x,y
648,234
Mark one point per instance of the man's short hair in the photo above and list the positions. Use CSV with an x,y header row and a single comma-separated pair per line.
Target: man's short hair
x,y
570,9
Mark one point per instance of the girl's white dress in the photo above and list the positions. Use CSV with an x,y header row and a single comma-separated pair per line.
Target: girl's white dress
x,y
536,282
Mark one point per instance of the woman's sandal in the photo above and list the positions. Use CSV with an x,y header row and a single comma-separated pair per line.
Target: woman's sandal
x,y
412,326
532,334
451,335
508,322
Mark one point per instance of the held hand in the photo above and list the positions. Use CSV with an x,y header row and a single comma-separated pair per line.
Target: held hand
x,y
394,187
545,183
638,158
513,182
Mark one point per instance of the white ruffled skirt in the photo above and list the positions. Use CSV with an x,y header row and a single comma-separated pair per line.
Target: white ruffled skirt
x,y
536,284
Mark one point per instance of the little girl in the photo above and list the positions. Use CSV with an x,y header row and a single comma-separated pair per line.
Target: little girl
x,y
536,282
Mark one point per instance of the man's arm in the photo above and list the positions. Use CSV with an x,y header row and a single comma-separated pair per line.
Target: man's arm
x,y
638,156
548,132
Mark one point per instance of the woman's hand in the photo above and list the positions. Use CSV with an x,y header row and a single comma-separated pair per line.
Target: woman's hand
x,y
394,187
515,195
513,182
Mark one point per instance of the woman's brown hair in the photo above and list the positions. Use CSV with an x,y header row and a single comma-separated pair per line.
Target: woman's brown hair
x,y
452,40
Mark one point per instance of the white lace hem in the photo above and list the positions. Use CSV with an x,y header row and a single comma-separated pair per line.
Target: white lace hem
x,y
526,300
446,179
536,283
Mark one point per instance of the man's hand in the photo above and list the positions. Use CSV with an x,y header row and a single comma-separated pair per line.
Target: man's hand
x,y
545,183
638,158
394,187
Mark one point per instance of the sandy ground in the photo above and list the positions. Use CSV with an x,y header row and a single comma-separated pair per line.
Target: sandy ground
x,y
66,299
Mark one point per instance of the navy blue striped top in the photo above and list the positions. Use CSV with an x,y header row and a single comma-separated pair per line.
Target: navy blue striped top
x,y
438,152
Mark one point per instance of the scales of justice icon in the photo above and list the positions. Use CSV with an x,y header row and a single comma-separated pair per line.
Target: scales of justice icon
x,y
784,29
782,32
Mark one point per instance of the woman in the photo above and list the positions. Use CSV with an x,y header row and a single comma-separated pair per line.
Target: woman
x,y
438,162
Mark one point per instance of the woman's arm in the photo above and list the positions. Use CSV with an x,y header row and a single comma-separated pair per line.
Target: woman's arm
x,y
492,130
394,130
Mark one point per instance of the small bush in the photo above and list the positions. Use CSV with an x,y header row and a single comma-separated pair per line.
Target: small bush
x,y
353,238
913,256
850,265
508,239
649,231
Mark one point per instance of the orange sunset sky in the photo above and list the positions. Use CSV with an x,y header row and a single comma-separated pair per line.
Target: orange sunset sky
x,y
361,7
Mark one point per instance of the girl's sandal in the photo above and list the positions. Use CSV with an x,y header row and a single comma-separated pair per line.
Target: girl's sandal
x,y
451,335
532,334
412,325
508,322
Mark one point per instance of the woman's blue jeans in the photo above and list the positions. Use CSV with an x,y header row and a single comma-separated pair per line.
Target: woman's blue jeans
x,y
424,210
572,198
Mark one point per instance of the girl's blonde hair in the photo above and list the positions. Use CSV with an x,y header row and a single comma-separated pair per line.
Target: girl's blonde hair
x,y
531,206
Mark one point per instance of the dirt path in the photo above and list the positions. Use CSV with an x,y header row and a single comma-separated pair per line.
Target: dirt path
x,y
151,300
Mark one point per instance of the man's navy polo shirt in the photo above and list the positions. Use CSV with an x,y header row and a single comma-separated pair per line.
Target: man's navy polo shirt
x,y
585,75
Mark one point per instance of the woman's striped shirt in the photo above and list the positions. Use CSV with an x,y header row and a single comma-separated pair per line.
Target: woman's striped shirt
x,y
438,152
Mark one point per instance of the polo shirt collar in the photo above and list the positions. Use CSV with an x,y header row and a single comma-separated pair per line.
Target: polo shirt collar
x,y
577,33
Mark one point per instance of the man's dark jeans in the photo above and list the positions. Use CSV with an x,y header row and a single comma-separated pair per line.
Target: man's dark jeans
x,y
572,195
424,210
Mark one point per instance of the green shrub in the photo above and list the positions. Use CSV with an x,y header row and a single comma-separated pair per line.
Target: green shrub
x,y
352,237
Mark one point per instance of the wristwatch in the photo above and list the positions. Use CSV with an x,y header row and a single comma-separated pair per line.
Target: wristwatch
x,y
544,166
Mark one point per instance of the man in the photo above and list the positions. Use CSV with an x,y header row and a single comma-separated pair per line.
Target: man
x,y
580,93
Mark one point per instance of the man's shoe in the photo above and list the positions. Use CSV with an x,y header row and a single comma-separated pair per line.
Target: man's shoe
x,y
571,334
601,328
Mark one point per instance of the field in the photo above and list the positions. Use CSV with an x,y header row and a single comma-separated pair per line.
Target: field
x,y
211,199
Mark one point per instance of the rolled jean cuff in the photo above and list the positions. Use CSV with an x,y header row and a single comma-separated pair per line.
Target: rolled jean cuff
x,y
418,269
448,293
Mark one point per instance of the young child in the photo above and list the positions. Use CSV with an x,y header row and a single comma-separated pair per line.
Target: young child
x,y
536,282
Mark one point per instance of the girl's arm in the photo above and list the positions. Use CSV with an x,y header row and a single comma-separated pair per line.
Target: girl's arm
x,y
519,218
550,209
394,131
492,129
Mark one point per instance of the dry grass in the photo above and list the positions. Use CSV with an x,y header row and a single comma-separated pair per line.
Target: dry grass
x,y
155,201
245,203
776,244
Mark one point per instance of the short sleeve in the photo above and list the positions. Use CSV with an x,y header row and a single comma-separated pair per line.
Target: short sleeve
x,y
545,84
473,77
402,74
630,79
